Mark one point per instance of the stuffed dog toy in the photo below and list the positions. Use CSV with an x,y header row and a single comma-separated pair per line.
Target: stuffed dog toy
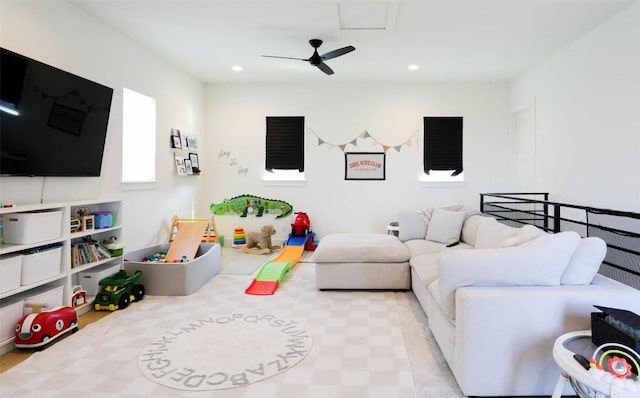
x,y
260,242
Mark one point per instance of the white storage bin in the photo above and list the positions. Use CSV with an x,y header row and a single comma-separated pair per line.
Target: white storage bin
x,y
10,315
89,279
41,265
32,227
10,269
52,297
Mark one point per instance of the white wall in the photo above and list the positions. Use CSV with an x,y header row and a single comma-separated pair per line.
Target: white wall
x,y
588,116
62,35
235,116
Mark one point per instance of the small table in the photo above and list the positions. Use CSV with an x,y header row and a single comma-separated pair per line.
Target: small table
x,y
564,348
393,228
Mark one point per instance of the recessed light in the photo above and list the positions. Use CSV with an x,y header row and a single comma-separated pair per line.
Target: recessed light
x,y
413,67
237,68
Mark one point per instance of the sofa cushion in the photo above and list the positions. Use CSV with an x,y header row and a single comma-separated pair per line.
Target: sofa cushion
x,y
491,233
585,262
539,262
445,226
418,247
525,234
412,226
425,267
470,228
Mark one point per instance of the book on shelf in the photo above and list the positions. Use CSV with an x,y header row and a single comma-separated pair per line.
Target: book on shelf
x,y
88,252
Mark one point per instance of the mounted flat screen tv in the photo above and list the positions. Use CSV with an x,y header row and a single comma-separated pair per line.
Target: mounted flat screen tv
x,y
52,122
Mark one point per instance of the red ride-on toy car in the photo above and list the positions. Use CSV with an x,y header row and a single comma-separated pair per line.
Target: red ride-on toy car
x,y
301,225
40,328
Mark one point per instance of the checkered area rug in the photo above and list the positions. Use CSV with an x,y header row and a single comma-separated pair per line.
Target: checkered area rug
x,y
358,346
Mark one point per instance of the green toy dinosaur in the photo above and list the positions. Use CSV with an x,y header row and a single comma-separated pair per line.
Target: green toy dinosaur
x,y
245,204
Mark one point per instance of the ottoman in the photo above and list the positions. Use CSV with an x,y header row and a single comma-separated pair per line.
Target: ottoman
x,y
361,261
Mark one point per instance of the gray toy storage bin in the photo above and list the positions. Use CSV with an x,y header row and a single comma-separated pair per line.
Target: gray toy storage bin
x,y
175,279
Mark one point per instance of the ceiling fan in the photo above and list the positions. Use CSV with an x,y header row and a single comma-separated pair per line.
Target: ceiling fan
x,y
316,59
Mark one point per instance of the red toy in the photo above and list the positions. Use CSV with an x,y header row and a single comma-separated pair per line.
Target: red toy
x,y
38,329
301,224
79,296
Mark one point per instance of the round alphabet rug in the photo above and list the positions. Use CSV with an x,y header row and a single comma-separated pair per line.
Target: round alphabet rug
x,y
224,351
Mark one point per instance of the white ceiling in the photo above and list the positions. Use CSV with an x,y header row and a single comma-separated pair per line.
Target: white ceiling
x,y
452,40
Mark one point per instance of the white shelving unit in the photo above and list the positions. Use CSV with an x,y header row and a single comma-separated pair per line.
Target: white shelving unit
x,y
68,275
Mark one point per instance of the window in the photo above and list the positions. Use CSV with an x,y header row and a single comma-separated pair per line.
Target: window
x,y
284,149
443,149
138,137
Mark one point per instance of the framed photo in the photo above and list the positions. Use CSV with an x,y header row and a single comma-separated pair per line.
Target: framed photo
x,y
192,143
187,164
180,166
194,160
176,139
364,165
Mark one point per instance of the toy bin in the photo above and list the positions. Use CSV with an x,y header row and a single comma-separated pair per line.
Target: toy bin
x,y
89,279
175,279
40,264
32,227
10,314
10,270
103,219
52,297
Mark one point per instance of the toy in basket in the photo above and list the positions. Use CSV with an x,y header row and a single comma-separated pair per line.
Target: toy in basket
x,y
115,248
42,327
118,290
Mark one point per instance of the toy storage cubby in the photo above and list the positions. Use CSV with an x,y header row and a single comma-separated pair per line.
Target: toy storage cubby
x,y
42,234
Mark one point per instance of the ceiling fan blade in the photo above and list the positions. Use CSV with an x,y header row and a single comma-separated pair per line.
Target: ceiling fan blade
x,y
325,68
276,56
337,53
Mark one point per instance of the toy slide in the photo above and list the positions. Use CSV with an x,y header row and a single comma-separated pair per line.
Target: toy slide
x,y
270,275
186,242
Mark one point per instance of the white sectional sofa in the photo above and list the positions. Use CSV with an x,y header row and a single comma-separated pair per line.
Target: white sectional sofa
x,y
498,299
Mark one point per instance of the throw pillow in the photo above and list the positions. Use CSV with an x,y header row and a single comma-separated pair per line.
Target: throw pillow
x,y
525,234
540,262
585,262
491,233
445,226
412,226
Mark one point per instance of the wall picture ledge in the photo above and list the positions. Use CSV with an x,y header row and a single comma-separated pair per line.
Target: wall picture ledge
x,y
364,165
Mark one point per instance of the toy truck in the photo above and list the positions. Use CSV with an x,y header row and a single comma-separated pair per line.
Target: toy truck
x,y
118,290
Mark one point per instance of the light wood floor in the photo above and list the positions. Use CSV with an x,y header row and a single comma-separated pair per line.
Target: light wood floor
x,y
13,358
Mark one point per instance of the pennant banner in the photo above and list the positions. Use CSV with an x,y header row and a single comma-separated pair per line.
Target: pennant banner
x,y
364,134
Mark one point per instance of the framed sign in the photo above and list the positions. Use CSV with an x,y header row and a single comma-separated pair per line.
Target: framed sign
x,y
364,165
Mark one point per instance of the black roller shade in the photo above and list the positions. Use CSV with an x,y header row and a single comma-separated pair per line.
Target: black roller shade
x,y
285,143
443,144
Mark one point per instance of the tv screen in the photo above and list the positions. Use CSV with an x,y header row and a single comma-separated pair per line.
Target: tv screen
x,y
52,122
